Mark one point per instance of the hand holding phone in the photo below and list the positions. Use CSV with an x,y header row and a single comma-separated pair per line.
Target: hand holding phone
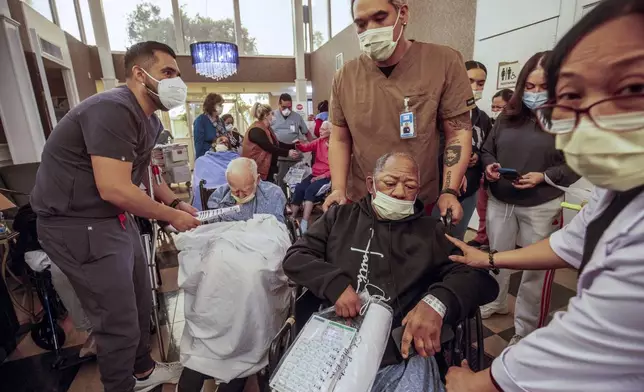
x,y
509,174
492,172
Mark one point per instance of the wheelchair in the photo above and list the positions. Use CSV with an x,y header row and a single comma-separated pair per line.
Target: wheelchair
x,y
292,225
456,340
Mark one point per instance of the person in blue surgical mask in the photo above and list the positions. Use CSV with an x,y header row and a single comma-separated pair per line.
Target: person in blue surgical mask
x,y
522,208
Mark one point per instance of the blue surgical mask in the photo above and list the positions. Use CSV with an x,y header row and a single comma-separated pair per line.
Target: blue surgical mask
x,y
534,100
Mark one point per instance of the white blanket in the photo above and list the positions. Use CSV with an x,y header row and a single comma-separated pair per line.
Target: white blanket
x,y
236,295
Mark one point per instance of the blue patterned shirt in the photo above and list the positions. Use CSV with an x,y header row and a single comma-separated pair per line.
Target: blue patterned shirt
x,y
269,199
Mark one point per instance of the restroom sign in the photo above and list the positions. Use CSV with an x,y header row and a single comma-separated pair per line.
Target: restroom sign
x,y
508,75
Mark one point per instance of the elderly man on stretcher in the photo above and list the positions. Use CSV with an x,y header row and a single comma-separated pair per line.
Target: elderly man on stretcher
x,y
387,245
236,294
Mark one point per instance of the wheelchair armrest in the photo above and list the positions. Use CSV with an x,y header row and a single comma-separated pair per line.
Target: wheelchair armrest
x,y
447,334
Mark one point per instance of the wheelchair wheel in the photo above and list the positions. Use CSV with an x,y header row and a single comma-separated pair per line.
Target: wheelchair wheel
x,y
43,335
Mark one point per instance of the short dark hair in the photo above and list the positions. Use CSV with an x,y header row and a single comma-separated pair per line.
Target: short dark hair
x,y
471,64
516,112
323,106
211,101
142,54
505,94
226,117
286,98
603,13
398,4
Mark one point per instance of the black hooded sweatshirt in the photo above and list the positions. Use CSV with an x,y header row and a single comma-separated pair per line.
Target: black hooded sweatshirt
x,y
408,259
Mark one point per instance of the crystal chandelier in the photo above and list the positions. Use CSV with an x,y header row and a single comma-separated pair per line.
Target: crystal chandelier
x,y
216,60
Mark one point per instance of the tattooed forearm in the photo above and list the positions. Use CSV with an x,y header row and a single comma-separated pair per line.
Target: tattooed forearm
x,y
461,122
448,179
452,155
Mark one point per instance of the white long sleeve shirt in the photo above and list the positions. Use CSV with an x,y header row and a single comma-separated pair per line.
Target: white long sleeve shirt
x,y
598,344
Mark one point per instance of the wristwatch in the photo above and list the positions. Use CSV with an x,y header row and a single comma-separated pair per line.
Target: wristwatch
x,y
175,203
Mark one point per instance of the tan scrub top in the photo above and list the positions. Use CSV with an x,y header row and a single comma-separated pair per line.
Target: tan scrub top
x,y
364,100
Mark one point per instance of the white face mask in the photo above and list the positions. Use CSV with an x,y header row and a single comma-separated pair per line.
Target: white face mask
x,y
379,43
478,95
219,110
495,115
286,112
229,127
171,92
534,100
391,208
608,159
221,147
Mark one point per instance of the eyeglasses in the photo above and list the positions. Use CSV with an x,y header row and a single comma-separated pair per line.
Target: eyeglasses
x,y
616,114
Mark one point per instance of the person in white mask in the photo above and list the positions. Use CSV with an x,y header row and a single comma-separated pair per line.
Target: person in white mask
x,y
288,125
86,191
499,102
595,77
386,245
236,139
244,187
398,95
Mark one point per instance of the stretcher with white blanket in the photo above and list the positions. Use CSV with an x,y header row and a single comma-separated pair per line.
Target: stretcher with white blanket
x,y
236,295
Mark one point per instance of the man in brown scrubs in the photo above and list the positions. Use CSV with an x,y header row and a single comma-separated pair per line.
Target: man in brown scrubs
x,y
394,98
86,187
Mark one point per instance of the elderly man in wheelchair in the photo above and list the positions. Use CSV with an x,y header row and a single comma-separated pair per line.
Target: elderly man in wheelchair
x,y
235,291
244,187
386,242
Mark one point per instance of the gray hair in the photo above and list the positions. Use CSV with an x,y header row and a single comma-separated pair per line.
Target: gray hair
x,y
382,161
242,164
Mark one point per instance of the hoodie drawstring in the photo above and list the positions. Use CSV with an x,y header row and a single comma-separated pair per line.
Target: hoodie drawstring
x,y
505,217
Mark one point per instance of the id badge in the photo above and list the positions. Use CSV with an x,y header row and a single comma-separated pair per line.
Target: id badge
x,y
292,128
407,125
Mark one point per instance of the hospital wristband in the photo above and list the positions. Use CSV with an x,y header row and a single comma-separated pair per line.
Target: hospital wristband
x,y
175,203
435,304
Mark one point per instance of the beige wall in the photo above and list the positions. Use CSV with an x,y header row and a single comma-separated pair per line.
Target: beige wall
x,y
446,22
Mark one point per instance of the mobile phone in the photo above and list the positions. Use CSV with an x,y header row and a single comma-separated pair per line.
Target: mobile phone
x,y
509,174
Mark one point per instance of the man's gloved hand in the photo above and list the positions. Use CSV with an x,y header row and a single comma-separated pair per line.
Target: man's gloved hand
x,y
348,305
422,325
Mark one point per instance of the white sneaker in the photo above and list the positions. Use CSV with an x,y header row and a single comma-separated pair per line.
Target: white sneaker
x,y
163,373
515,339
487,311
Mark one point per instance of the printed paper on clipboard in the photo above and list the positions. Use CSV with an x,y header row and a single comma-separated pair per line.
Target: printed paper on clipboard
x,y
312,363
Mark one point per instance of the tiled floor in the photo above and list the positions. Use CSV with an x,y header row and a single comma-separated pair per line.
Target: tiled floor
x,y
28,369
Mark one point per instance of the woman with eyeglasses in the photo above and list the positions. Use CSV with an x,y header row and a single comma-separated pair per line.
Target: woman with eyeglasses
x,y
522,208
595,80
